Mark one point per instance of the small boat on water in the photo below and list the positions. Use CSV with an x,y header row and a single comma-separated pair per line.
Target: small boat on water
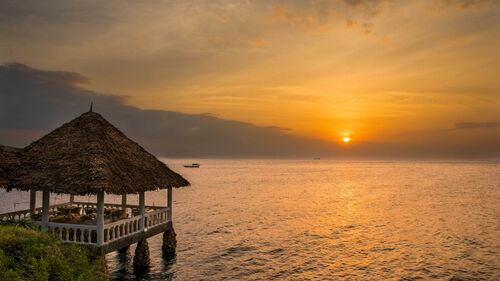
x,y
194,165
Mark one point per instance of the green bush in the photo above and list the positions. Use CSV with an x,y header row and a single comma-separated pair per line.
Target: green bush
x,y
28,254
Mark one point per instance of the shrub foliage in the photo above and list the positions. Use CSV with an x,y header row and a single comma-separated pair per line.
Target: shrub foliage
x,y
29,254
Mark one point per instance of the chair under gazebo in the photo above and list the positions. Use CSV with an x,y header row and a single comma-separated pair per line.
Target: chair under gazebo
x,y
89,156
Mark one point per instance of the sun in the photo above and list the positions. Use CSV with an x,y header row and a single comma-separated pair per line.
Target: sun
x,y
346,139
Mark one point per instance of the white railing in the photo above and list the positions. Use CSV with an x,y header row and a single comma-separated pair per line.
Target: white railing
x,y
84,205
17,215
111,205
72,233
87,234
127,227
26,214
156,217
121,228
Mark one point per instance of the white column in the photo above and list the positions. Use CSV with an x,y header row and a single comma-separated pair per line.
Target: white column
x,y
124,205
169,203
100,218
32,201
141,209
45,209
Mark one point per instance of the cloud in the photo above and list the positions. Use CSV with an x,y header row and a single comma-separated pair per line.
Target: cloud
x,y
365,27
33,102
49,77
477,125
469,3
321,15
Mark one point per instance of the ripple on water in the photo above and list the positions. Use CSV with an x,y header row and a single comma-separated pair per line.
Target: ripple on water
x,y
237,251
330,220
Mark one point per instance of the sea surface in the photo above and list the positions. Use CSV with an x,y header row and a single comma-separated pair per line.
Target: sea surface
x,y
327,220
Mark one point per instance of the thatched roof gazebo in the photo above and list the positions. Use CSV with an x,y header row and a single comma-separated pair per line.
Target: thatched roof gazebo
x,y
89,156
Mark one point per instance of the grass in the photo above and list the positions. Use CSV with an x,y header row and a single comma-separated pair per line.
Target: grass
x,y
29,254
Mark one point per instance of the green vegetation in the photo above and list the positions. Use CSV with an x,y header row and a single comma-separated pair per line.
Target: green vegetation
x,y
29,254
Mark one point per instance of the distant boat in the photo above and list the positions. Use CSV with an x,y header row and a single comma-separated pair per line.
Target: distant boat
x,y
316,158
194,165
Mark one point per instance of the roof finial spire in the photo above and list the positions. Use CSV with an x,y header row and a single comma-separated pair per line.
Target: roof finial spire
x,y
91,104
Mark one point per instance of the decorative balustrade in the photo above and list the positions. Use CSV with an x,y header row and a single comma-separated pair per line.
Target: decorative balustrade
x,y
84,205
87,234
72,233
26,214
121,228
17,215
156,217
111,205
127,227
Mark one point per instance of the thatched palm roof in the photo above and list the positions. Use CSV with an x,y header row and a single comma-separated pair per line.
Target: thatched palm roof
x,y
88,155
9,159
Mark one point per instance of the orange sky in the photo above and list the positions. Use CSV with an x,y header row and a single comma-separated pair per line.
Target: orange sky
x,y
378,71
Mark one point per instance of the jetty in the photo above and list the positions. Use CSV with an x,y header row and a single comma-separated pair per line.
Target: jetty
x,y
89,156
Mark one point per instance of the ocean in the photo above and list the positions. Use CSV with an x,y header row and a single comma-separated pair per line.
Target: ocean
x,y
326,220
